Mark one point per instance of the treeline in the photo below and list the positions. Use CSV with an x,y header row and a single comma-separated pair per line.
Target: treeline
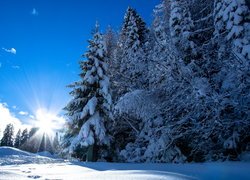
x,y
31,140
179,88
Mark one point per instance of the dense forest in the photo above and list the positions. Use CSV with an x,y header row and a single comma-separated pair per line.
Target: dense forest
x,y
177,91
173,91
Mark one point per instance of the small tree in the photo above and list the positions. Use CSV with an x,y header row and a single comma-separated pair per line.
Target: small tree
x,y
18,139
55,144
8,136
24,139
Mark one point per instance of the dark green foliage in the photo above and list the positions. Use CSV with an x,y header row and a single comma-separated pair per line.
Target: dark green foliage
x,y
8,136
17,143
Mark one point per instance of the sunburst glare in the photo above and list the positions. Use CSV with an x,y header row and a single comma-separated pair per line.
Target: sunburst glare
x,y
47,122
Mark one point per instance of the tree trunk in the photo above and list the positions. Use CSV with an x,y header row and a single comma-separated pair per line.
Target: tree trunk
x,y
89,156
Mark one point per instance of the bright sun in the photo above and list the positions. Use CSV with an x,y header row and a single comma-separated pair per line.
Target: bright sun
x,y
48,121
45,121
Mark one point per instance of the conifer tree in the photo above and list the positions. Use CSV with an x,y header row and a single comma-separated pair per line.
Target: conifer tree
x,y
55,144
181,27
18,139
88,111
132,53
8,136
134,30
24,139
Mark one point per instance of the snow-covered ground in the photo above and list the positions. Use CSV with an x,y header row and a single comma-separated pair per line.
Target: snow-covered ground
x,y
16,164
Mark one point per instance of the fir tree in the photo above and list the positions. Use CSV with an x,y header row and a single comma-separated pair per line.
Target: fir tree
x,y
8,136
132,53
88,111
24,139
18,139
134,30
55,143
181,27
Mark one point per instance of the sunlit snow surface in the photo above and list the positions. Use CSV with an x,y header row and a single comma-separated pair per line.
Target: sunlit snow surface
x,y
15,164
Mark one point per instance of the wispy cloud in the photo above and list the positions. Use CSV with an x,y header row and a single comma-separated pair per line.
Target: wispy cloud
x,y
34,12
23,113
11,50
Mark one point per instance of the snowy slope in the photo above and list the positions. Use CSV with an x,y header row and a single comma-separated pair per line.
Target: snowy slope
x,y
13,156
16,164
9,151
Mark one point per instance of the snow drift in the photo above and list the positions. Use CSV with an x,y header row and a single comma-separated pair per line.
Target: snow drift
x,y
13,156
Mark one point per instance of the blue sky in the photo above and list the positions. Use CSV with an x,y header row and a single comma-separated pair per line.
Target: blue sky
x,y
41,42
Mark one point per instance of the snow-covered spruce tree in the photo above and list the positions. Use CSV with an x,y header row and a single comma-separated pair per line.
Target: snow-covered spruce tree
x,y
132,54
88,111
8,136
131,73
133,22
181,28
18,139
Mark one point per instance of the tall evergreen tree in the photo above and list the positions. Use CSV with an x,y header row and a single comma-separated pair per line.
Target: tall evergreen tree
x,y
55,143
134,30
8,136
18,139
132,53
88,111
24,139
181,27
